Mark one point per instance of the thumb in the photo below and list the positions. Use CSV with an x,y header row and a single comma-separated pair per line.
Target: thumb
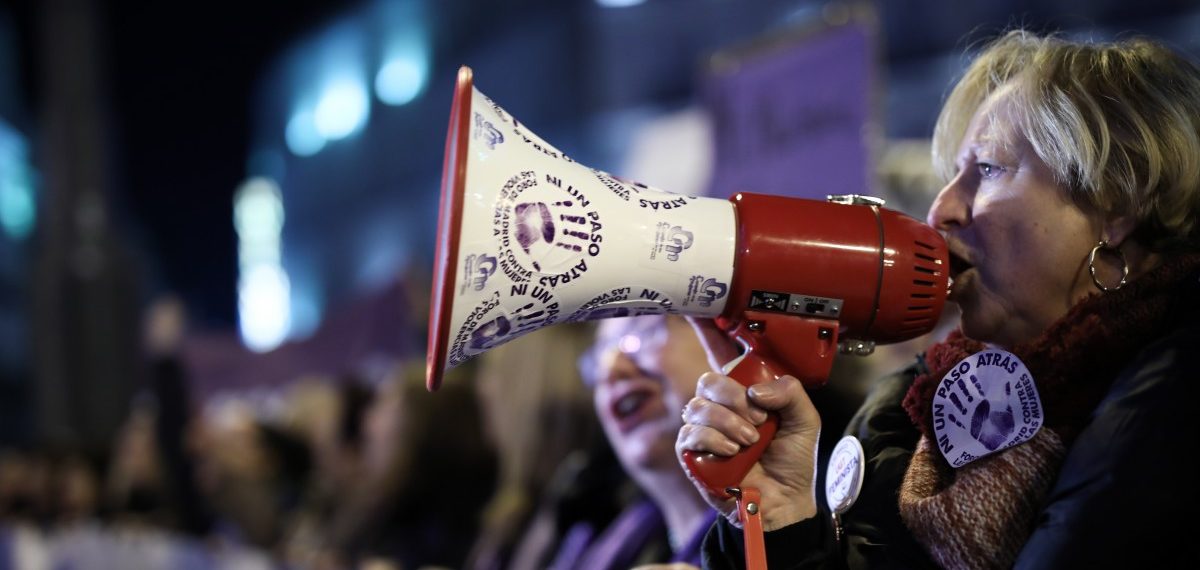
x,y
787,396
720,348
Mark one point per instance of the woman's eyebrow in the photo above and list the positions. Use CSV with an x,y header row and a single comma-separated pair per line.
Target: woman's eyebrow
x,y
963,157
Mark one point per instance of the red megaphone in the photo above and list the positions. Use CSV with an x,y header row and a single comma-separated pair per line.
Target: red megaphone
x,y
527,238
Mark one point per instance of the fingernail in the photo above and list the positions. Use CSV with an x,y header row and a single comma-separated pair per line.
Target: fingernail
x,y
760,391
732,448
749,435
758,416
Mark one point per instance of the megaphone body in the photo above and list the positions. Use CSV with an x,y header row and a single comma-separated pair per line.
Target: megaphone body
x,y
527,238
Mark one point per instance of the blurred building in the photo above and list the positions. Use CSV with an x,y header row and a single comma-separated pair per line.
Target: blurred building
x,y
18,216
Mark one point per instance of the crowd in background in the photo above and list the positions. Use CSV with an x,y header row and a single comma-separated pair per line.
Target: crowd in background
x,y
326,472
491,471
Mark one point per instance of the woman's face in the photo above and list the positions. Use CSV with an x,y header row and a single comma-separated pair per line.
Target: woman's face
x,y
1018,244
645,370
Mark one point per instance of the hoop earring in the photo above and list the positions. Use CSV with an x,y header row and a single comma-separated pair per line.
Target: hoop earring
x,y
1092,266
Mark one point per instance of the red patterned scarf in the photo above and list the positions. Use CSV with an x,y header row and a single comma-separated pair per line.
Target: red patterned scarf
x,y
980,515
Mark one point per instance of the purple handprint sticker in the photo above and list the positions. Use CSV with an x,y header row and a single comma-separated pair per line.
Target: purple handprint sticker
x,y
986,403
534,224
491,333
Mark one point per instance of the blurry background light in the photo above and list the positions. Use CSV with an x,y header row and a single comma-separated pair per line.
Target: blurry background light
x,y
264,304
619,3
263,307
302,136
342,110
18,207
258,211
400,80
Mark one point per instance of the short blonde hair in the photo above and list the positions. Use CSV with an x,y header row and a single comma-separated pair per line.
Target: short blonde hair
x,y
1117,123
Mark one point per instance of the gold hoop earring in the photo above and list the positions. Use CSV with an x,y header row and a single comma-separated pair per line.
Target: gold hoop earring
x,y
1092,266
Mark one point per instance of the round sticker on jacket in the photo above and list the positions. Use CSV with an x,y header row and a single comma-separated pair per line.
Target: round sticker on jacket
x,y
844,476
985,404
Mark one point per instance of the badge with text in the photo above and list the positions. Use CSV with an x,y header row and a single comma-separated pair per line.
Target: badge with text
x,y
985,404
844,476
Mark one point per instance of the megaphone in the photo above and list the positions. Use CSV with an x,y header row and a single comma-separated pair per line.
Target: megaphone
x,y
528,237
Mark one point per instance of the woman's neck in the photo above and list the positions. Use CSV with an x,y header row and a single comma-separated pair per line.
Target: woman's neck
x,y
682,507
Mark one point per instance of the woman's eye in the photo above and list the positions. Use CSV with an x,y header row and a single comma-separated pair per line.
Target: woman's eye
x,y
988,170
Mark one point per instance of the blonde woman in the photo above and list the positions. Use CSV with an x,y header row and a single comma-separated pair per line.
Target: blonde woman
x,y
1072,214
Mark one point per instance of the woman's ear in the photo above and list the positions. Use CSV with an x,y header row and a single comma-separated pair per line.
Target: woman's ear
x,y
1117,229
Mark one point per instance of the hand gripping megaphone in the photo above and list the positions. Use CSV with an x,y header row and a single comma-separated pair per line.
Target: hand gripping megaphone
x,y
527,238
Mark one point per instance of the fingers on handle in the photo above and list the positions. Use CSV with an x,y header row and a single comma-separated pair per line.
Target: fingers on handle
x,y
720,419
704,439
729,393
702,412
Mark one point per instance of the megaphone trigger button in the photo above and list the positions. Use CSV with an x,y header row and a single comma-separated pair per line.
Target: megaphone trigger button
x,y
756,326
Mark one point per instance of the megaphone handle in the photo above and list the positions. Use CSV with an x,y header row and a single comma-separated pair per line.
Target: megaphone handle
x,y
722,476
749,507
719,474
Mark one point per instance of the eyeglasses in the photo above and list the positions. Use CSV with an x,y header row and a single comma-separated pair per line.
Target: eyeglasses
x,y
640,339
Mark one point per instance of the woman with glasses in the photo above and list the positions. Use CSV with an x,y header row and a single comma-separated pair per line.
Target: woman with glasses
x,y
642,370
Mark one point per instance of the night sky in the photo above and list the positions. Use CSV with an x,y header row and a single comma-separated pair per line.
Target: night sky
x,y
180,78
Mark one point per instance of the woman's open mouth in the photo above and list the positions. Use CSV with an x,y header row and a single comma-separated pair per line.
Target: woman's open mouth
x,y
629,409
958,266
628,404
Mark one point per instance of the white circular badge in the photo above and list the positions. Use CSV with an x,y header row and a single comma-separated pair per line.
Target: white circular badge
x,y
844,476
984,404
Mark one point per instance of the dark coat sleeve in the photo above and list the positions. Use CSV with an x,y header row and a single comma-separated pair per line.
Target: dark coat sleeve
x,y
1126,496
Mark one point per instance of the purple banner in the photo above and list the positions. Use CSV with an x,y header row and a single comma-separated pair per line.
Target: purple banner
x,y
792,119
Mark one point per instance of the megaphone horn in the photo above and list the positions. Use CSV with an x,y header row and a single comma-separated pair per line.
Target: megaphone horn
x,y
527,238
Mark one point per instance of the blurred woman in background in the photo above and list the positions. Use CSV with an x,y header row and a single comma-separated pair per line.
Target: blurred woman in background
x,y
537,416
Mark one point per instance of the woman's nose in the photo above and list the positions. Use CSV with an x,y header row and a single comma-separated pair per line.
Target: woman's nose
x,y
951,209
621,365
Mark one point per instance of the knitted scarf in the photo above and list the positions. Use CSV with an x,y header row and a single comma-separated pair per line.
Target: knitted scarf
x,y
981,514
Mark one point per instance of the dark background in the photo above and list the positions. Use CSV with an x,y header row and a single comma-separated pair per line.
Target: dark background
x,y
143,118
178,80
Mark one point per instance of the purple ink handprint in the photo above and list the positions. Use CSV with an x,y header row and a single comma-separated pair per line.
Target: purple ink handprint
x,y
535,226
991,428
534,222
490,334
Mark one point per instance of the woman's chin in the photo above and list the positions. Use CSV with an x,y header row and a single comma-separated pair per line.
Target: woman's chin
x,y
651,452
